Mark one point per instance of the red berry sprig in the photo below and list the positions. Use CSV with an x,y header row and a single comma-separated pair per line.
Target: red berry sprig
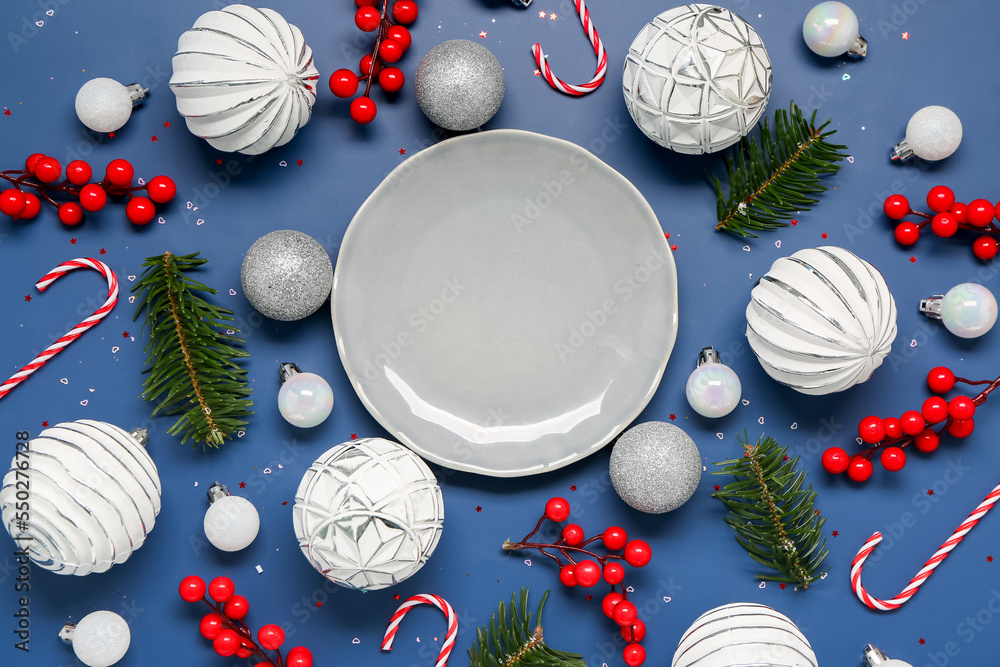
x,y
889,436
949,217
391,42
229,635
41,173
588,568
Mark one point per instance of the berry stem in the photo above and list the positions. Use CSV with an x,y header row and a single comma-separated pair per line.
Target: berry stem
x,y
242,630
383,25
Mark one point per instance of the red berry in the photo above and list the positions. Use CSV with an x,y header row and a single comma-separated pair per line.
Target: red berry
x,y
893,428
961,407
78,172
271,637
391,79
614,573
985,248
343,83
567,575
70,213
192,588
871,429
893,459
370,66
226,643
119,173
140,211
161,189
624,613
363,110
860,469
637,553
960,211
32,160
940,380
634,632
299,656
940,198
221,589
93,197
12,202
961,428
896,207
615,538
242,653
390,51
944,224
609,602
32,205
587,573
399,34
404,11
236,607
913,422
835,460
211,625
557,509
907,233
981,213
47,169
634,655
367,18
573,534
934,410
927,440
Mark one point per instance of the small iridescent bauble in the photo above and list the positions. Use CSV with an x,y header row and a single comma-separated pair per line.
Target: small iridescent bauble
x,y
459,85
831,29
968,310
713,389
287,275
655,467
305,400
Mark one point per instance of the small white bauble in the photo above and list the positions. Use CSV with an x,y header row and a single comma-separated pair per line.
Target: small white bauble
x,y
831,29
104,105
305,399
100,639
697,79
655,467
933,133
741,634
368,514
231,522
713,389
968,310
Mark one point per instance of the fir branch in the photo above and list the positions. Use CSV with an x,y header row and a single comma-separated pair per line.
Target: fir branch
x,y
191,352
772,514
511,641
771,181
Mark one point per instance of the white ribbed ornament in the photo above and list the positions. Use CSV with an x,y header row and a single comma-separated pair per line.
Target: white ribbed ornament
x,y
93,493
743,634
368,514
244,79
821,320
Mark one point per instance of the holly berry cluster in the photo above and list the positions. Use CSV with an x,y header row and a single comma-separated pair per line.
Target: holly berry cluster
x,y
949,217
587,573
391,42
917,427
42,173
228,633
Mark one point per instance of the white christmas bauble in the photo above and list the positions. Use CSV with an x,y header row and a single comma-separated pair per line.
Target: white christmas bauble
x,y
231,523
969,310
93,493
821,320
244,79
742,634
697,78
103,105
101,639
368,514
305,400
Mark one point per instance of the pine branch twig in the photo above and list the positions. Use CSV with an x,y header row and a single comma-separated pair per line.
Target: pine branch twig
x,y
514,641
771,512
772,180
191,352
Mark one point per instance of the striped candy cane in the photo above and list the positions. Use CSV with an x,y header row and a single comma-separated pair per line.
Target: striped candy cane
x,y
79,329
926,570
440,603
602,59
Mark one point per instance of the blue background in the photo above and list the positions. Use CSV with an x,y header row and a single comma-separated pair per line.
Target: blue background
x,y
697,565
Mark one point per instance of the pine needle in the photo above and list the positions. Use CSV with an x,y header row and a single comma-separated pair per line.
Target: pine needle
x,y
513,641
772,514
771,181
191,353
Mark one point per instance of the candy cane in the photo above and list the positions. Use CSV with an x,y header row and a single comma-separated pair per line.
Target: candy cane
x,y
79,329
602,59
928,568
440,603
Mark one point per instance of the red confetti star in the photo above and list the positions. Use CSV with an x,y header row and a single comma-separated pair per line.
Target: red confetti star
x,y
912,260
124,334
6,112
153,138
674,247
794,222
72,241
285,503
27,297
817,512
785,457
930,492
482,34
989,559
572,487
921,641
219,161
906,35
298,162
45,424
402,151
824,235
672,416
103,251
166,124
111,135
479,508
354,436
396,596
319,603
243,485
836,534
588,598
781,586
666,235
716,487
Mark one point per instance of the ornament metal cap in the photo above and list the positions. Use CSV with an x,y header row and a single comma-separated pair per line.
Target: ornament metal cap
x,y
931,306
140,435
859,49
708,355
287,370
217,491
137,92
520,3
874,656
901,152
67,632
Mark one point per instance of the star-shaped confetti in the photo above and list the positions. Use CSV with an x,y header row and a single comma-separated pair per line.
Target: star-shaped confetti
x,y
824,234
912,260
541,15
781,586
243,485
538,72
552,17
111,135
6,112
285,502
319,603
166,124
716,487
921,641
572,487
219,161
299,162
989,559
672,416
103,251
666,235
785,457
27,297
45,424
588,598
72,241
396,596
354,436
794,222
482,34
836,534
906,35
402,151
153,138
479,508
930,492
124,334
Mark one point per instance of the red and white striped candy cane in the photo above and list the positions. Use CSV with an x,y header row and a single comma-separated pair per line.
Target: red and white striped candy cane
x,y
79,329
602,59
926,570
440,603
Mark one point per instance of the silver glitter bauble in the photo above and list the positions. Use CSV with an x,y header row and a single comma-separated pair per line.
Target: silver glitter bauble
x,y
655,467
459,85
287,275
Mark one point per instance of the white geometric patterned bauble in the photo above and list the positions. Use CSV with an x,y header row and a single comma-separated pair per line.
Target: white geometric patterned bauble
x,y
697,79
368,514
742,634
92,494
821,320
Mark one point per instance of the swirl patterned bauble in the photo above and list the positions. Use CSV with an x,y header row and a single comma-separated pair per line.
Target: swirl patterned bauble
x,y
741,634
697,78
93,493
244,79
368,514
821,320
